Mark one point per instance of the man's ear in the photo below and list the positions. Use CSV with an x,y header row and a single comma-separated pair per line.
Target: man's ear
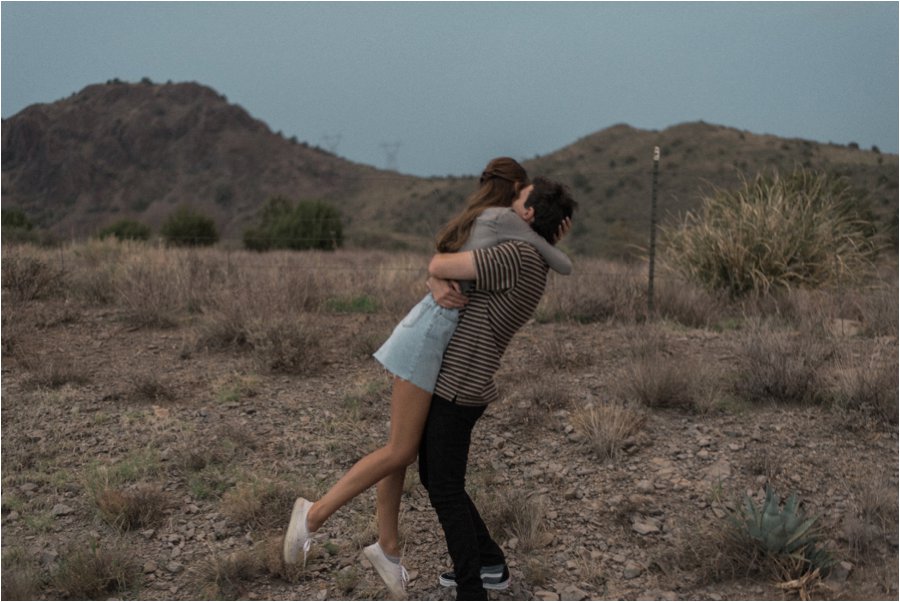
x,y
528,215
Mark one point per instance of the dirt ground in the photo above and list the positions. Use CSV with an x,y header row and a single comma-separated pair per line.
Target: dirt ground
x,y
618,528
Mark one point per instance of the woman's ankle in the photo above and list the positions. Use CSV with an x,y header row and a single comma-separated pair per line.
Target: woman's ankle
x,y
314,520
390,548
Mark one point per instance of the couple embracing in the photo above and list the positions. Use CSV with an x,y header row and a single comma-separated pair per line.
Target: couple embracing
x,y
485,282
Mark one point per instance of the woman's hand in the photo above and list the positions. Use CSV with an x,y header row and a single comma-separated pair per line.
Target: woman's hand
x,y
446,293
564,228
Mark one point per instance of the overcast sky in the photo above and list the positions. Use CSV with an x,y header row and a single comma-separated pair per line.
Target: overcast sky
x,y
446,86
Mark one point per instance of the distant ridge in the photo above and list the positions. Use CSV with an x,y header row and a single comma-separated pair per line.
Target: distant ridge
x,y
138,150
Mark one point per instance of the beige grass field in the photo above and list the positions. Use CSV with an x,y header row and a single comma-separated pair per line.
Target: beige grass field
x,y
161,408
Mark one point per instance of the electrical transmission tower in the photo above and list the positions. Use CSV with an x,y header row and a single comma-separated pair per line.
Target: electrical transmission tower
x,y
391,149
331,142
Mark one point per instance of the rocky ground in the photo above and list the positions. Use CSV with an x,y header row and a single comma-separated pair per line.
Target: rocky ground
x,y
630,527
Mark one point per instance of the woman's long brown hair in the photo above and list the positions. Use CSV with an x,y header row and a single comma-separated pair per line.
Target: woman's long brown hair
x,y
500,184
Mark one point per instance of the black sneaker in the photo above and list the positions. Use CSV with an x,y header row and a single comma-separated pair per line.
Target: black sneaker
x,y
494,577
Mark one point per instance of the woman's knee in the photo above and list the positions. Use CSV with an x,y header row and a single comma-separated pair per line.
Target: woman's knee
x,y
400,456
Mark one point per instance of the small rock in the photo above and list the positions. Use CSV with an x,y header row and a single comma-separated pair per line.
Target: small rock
x,y
721,469
49,557
632,569
645,526
543,594
150,567
12,516
570,592
644,486
174,567
841,571
61,510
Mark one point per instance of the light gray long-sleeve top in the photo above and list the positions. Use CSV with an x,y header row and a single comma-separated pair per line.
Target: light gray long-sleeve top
x,y
500,224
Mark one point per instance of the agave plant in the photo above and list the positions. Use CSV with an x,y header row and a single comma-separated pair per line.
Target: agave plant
x,y
783,533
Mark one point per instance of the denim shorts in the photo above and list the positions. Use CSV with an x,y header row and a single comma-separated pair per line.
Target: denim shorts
x,y
415,349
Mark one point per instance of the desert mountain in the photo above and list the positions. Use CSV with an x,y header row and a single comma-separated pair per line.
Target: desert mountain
x,y
120,150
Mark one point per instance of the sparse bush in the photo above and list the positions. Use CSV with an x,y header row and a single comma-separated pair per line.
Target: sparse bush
x,y
774,232
27,277
286,345
140,506
148,293
93,570
783,367
17,228
607,428
870,385
55,372
126,229
186,227
600,292
22,576
259,504
306,225
659,381
227,577
520,516
148,387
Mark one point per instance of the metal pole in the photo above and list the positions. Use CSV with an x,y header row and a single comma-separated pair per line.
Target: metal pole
x,y
652,231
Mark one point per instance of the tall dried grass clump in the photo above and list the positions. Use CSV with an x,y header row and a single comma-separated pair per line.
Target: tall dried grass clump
x,y
260,503
519,516
93,570
607,428
869,385
30,274
139,506
773,232
597,291
783,367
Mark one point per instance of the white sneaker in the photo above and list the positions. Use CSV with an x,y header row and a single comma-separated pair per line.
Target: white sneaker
x,y
393,574
297,536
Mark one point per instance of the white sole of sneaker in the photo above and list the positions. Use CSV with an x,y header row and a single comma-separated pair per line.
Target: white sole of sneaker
x,y
296,539
491,586
372,555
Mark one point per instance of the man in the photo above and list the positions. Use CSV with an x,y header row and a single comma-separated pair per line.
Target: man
x,y
509,282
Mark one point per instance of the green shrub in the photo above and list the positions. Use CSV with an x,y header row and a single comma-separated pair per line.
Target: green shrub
x,y
306,225
189,228
774,232
17,228
126,229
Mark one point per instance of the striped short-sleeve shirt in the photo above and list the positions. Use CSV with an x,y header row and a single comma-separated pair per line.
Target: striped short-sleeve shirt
x,y
509,282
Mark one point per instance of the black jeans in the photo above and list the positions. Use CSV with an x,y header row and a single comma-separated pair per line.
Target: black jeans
x,y
443,456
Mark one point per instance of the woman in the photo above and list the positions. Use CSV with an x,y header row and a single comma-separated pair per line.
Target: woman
x,y
494,213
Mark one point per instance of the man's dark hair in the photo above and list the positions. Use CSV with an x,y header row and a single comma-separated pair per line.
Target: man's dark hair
x,y
552,203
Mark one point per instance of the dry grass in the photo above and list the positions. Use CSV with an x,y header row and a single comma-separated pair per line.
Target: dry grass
x,y
140,506
597,291
23,578
29,275
92,570
774,232
231,576
517,515
783,367
54,372
150,388
259,504
869,384
607,428
662,381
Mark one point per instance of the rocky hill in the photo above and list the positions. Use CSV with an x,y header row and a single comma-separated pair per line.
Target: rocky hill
x,y
139,150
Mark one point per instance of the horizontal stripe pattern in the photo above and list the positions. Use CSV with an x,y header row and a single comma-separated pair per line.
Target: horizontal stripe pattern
x,y
510,280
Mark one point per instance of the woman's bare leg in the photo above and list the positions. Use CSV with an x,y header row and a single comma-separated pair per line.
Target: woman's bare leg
x,y
409,409
387,509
